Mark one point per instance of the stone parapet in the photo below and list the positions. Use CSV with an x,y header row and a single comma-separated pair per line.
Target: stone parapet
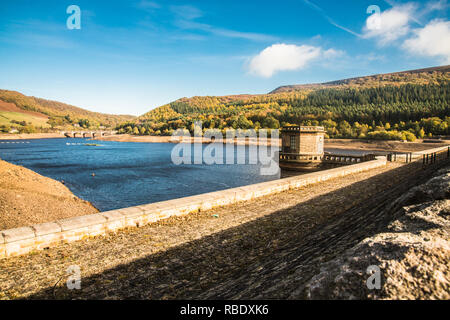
x,y
40,236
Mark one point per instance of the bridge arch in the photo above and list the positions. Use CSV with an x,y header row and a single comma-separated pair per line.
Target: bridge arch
x,y
85,134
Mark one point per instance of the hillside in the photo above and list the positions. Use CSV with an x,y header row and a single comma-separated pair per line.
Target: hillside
x,y
419,76
402,106
10,112
30,114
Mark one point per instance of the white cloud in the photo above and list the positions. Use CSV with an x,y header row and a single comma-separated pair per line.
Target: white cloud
x,y
332,53
328,18
432,40
283,57
147,5
192,25
389,25
437,5
187,12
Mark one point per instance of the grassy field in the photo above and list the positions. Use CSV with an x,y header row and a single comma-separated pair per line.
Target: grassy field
x,y
7,116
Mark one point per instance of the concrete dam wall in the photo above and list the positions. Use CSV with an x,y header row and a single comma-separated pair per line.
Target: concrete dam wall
x,y
40,236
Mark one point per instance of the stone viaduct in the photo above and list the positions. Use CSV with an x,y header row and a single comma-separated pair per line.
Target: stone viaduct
x,y
88,134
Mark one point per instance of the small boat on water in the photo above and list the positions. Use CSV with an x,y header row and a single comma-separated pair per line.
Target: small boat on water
x,y
85,144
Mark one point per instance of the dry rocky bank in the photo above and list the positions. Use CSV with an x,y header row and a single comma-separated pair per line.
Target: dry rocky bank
x,y
413,254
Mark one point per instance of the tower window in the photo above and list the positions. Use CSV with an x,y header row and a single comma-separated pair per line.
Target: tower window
x,y
293,143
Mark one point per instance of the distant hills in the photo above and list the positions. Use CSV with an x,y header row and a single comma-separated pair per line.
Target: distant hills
x,y
347,108
284,94
418,76
25,113
401,105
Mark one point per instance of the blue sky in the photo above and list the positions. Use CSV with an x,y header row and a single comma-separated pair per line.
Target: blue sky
x,y
132,56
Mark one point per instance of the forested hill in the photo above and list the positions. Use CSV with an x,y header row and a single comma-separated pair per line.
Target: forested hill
x,y
402,105
25,113
419,76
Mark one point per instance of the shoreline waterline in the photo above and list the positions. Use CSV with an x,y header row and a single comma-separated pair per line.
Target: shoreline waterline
x,y
31,136
142,173
114,175
27,197
351,144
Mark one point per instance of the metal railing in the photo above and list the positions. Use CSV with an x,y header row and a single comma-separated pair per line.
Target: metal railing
x,y
299,157
394,156
347,159
327,158
435,157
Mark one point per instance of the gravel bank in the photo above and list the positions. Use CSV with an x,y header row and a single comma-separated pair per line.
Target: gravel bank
x,y
28,198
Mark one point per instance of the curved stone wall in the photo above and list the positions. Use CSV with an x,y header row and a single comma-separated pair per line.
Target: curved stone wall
x,y
40,236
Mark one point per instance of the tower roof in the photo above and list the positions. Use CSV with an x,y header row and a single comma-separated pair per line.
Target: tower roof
x,y
311,129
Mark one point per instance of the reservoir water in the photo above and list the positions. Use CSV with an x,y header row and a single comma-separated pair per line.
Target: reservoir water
x,y
126,174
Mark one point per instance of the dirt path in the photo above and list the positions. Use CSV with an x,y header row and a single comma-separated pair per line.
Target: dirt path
x,y
241,250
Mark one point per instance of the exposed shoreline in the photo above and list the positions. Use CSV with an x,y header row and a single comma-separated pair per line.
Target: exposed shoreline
x,y
27,198
26,136
369,145
176,139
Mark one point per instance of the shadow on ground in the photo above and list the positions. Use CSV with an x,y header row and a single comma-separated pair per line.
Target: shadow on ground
x,y
270,257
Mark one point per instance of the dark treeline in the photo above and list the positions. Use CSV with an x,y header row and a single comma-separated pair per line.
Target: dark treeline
x,y
394,104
